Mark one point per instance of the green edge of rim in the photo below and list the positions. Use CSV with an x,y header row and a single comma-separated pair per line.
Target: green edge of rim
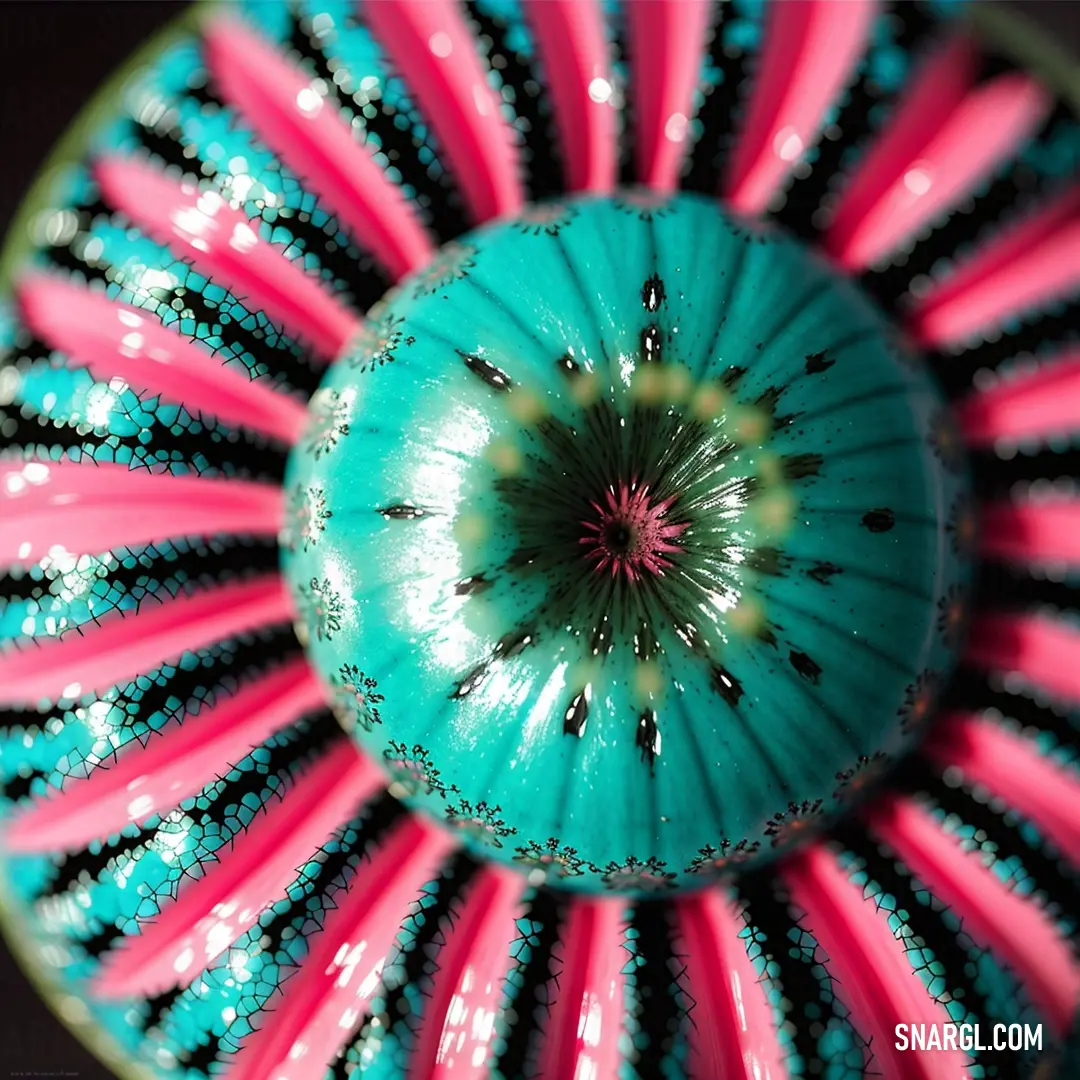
x,y
103,106
1004,28
1010,32
22,945
72,146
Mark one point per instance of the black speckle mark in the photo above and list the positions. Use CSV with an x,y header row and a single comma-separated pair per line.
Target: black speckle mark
x,y
520,558
652,293
568,366
800,466
402,512
600,640
732,376
766,636
650,344
471,585
471,681
879,521
645,644
577,712
805,666
514,643
817,362
766,560
482,369
648,738
768,400
726,685
822,572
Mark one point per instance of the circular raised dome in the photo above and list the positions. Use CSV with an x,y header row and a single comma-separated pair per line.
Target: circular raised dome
x,y
629,541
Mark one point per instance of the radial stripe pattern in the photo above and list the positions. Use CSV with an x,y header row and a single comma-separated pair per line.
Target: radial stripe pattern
x,y
208,874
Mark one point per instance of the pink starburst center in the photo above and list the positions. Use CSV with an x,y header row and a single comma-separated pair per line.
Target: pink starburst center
x,y
630,532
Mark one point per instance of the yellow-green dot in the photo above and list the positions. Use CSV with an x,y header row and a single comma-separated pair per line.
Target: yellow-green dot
x,y
775,512
709,401
747,616
505,456
585,388
648,681
647,384
471,529
525,406
749,426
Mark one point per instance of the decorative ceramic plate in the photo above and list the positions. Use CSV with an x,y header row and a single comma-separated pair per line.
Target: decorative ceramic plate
x,y
533,545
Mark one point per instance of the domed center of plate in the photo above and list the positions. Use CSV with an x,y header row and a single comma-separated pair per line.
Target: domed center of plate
x,y
628,542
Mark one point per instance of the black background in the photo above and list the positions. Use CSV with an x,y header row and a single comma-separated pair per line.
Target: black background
x,y
52,57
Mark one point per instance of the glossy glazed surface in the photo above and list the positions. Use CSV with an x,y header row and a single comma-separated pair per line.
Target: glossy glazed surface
x,y
205,874
619,535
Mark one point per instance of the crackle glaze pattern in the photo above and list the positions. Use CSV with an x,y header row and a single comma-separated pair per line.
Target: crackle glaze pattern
x,y
206,874
636,520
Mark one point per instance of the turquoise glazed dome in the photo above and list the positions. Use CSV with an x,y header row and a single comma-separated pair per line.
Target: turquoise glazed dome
x,y
620,536
529,550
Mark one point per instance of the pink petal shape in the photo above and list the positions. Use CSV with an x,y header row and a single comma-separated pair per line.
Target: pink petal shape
x,y
1011,766
209,914
224,245
123,645
734,1032
667,38
458,1029
1032,530
87,507
114,340
809,52
586,1020
316,142
872,974
432,47
320,1006
1028,265
1037,404
1016,929
173,766
571,42
945,136
1045,651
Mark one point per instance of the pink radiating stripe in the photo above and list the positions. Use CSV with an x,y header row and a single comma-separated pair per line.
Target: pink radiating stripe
x,y
1038,404
1042,649
1011,766
871,972
316,143
171,767
944,138
666,42
433,50
321,1005
123,645
734,1032
570,37
87,507
995,916
1032,530
586,1019
458,1030
1027,265
224,245
209,914
114,340
809,52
